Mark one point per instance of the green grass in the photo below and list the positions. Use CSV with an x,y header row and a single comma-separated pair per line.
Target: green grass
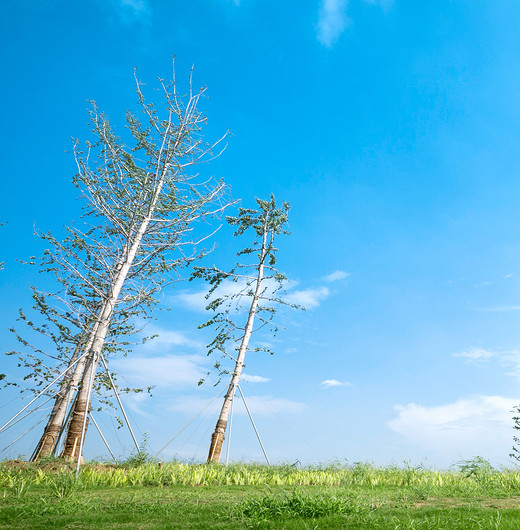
x,y
177,495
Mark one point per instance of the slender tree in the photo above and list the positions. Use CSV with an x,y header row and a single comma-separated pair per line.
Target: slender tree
x,y
516,440
252,304
143,207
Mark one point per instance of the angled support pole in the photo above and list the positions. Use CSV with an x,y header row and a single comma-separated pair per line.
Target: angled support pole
x,y
22,435
30,412
102,437
188,424
254,426
120,404
230,424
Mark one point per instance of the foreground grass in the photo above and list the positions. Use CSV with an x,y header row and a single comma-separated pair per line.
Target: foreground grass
x,y
176,495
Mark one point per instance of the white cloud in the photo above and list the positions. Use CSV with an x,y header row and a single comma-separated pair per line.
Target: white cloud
x,y
166,338
135,403
476,354
258,405
499,308
329,383
332,21
511,360
308,298
197,301
507,276
139,6
475,426
254,378
336,276
333,18
131,11
164,371
507,359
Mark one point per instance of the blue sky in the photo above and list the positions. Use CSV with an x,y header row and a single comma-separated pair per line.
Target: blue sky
x,y
392,128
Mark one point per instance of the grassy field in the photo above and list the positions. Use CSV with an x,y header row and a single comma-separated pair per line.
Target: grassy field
x,y
176,495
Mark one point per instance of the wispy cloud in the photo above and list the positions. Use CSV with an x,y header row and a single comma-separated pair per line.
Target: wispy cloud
x,y
131,11
164,371
254,378
330,383
332,21
136,403
333,18
499,308
508,359
476,354
308,298
166,339
468,426
511,360
258,405
197,301
336,276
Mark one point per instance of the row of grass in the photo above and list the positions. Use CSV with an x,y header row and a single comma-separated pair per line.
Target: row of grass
x,y
169,495
470,477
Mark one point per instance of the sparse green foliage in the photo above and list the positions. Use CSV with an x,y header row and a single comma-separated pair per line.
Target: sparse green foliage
x,y
143,456
476,467
252,300
231,311
516,440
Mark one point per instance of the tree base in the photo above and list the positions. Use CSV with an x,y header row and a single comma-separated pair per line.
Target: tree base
x,y
215,449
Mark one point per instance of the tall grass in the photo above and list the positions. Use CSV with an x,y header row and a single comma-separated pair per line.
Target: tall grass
x,y
465,482
50,495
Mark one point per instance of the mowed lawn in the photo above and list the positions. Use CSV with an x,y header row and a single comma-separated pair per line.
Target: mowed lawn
x,y
176,495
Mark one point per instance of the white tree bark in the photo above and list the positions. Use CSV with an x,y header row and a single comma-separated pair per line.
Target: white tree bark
x,y
97,338
217,438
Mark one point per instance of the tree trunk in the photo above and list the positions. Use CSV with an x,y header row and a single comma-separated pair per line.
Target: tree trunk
x,y
49,438
52,430
81,404
98,335
218,436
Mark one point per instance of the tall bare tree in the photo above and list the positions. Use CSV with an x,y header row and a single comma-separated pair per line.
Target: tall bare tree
x,y
253,302
144,204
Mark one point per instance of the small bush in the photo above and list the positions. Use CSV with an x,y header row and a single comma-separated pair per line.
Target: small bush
x,y
476,467
297,505
64,484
